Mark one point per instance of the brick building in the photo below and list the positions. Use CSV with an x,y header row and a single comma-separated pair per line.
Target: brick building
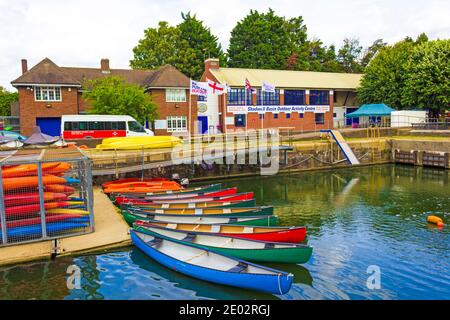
x,y
48,91
303,100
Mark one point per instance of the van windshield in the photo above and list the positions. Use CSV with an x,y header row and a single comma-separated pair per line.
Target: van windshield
x,y
135,126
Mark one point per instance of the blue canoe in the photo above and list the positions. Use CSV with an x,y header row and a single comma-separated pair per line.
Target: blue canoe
x,y
211,266
35,230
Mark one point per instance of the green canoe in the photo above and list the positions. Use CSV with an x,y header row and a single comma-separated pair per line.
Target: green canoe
x,y
245,249
261,221
187,205
230,212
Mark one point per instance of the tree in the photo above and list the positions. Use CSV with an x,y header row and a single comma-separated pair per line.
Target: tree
x,y
6,100
203,43
427,85
385,76
113,95
349,56
160,46
372,51
265,41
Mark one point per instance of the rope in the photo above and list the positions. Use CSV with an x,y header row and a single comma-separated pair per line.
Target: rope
x,y
279,284
196,256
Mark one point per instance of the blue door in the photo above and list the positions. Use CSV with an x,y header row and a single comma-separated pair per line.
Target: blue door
x,y
50,126
203,124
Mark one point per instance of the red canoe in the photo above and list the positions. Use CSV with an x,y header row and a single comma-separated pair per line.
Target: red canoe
x,y
32,197
229,198
34,221
60,188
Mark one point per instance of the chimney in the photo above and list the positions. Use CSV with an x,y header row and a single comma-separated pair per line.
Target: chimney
x,y
212,63
24,66
104,64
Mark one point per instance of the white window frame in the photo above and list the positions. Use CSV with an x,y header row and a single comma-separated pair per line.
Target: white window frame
x,y
176,95
49,90
175,124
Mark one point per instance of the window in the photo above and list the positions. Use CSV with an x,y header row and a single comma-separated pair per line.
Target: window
x,y
121,125
239,120
261,116
237,97
82,126
47,93
294,97
175,95
68,126
176,124
320,118
319,97
301,115
202,98
288,115
269,98
275,115
95,125
135,126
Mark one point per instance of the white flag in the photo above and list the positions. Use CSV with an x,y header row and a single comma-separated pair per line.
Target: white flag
x,y
199,88
268,87
215,87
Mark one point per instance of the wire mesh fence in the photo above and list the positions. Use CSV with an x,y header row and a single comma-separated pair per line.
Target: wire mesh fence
x,y
44,194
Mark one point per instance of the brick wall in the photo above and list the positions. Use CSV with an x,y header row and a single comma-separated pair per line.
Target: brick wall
x,y
166,109
30,109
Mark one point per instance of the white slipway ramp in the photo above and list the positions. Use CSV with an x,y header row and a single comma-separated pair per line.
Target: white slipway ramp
x,y
345,148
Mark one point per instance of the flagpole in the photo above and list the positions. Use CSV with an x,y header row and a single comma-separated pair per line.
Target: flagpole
x,y
262,107
190,113
245,104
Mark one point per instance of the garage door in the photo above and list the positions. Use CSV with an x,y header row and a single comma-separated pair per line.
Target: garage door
x,y
50,126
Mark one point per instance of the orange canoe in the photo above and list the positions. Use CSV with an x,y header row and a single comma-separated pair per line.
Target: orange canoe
x,y
25,170
125,180
157,188
25,182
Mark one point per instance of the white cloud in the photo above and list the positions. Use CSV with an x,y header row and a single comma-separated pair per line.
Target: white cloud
x,y
81,32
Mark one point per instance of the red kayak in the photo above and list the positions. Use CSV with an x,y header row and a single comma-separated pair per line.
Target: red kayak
x,y
291,235
32,197
236,197
187,196
60,188
19,211
34,221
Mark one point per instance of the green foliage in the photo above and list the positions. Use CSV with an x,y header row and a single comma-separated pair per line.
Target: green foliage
x,y
264,40
409,74
160,46
185,46
371,51
427,85
203,43
6,99
349,56
385,76
113,95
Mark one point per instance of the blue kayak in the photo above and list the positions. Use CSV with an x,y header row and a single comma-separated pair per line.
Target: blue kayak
x,y
36,230
211,266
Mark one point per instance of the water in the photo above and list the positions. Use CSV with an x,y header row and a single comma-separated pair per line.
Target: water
x,y
356,218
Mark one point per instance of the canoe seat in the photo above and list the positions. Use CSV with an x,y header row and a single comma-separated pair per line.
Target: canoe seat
x,y
269,245
154,242
233,220
189,238
238,268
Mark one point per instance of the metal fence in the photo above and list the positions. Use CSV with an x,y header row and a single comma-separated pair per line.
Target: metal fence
x,y
44,194
13,122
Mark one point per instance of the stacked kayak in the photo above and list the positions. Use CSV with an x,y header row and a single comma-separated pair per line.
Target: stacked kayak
x,y
212,233
138,143
23,202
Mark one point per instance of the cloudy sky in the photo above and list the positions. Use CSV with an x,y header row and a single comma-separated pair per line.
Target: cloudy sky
x,y
81,32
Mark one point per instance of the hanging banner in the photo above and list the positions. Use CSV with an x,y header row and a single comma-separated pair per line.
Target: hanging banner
x,y
278,109
199,88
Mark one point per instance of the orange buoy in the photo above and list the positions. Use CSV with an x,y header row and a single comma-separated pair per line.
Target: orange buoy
x,y
440,224
435,220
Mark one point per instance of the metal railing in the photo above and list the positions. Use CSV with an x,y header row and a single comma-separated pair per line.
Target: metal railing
x,y
44,195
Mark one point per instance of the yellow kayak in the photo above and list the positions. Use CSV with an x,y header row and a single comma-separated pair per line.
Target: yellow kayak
x,y
146,142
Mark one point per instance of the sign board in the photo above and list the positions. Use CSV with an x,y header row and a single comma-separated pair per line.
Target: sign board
x,y
202,107
278,109
160,124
